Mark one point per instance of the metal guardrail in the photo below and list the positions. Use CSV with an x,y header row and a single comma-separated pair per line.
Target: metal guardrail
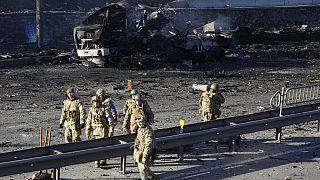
x,y
302,94
87,151
42,151
293,96
119,150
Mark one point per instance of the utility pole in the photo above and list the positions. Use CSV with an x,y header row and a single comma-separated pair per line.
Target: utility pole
x,y
38,24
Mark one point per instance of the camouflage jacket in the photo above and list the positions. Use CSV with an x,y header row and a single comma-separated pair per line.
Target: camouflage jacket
x,y
217,100
98,117
144,144
129,103
210,102
109,105
73,114
135,110
205,102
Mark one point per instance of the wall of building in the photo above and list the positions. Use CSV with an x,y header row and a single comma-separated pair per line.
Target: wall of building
x,y
243,3
249,17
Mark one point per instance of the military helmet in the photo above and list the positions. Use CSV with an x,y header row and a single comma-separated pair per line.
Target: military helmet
x,y
101,91
95,99
133,92
214,86
70,90
137,97
140,118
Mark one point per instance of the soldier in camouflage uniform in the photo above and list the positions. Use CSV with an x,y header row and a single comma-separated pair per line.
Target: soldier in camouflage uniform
x,y
218,99
210,103
130,101
109,105
140,107
98,122
143,148
72,117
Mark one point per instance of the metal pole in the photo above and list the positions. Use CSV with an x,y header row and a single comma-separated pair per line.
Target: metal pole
x,y
180,150
58,174
38,24
54,175
123,162
40,137
231,144
279,129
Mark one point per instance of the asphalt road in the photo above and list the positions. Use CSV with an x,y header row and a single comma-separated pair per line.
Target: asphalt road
x,y
31,97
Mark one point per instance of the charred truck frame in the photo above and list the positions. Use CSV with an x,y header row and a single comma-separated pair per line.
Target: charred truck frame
x,y
122,35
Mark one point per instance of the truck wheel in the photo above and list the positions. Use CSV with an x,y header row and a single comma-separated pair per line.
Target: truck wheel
x,y
125,63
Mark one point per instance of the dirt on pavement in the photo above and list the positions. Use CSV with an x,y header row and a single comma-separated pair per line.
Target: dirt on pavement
x,y
31,97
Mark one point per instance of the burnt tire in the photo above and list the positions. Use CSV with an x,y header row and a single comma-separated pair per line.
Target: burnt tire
x,y
125,63
221,53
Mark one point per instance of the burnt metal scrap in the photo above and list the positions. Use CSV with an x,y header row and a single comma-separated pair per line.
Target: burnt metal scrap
x,y
123,35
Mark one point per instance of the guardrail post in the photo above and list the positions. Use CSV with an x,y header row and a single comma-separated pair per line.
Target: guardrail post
x,y
318,127
232,140
231,144
279,129
180,149
56,174
38,24
123,162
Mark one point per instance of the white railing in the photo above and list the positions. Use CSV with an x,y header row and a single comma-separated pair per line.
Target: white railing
x,y
293,96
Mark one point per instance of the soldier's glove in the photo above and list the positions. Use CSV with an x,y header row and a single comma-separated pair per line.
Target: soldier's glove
x,y
81,126
144,160
110,122
151,120
61,126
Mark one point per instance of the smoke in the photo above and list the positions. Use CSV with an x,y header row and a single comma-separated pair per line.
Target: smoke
x,y
222,23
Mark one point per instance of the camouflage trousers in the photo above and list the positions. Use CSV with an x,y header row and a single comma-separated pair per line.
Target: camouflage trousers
x,y
145,172
100,132
111,130
208,116
72,135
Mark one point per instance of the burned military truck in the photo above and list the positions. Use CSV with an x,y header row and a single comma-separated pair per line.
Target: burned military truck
x,y
126,36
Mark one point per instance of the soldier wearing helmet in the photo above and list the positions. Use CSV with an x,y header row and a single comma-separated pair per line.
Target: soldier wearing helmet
x,y
97,123
140,107
72,117
210,103
218,99
130,101
143,148
109,105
